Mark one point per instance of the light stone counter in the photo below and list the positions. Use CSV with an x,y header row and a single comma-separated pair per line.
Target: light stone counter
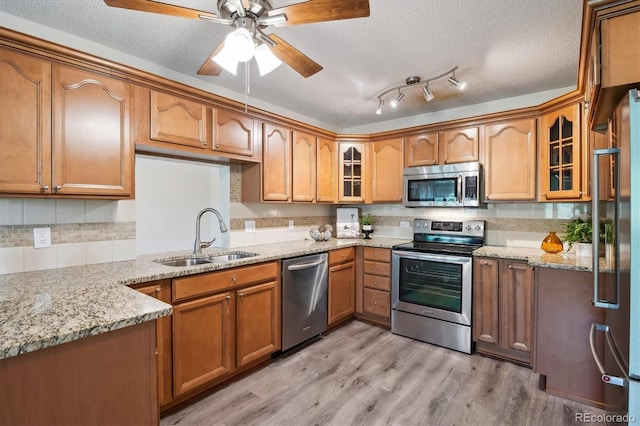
x,y
46,308
538,257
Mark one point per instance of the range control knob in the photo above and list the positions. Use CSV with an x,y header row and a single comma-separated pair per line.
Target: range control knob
x,y
478,228
468,227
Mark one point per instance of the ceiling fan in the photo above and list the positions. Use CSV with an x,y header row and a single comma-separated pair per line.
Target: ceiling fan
x,y
251,18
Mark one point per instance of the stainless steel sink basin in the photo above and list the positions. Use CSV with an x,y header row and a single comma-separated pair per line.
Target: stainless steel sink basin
x,y
232,256
191,261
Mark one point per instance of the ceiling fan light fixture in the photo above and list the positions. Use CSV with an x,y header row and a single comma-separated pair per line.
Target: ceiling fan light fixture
x,y
227,60
397,100
380,105
266,60
241,44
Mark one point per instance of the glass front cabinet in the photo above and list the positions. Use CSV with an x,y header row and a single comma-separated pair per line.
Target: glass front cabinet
x,y
352,159
561,166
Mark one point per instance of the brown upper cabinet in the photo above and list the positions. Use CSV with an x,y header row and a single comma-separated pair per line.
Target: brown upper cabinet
x,y
614,61
386,171
326,171
458,145
352,166
276,168
560,170
179,121
421,150
65,132
303,167
235,133
508,155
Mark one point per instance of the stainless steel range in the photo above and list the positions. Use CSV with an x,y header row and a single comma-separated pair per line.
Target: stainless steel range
x,y
431,282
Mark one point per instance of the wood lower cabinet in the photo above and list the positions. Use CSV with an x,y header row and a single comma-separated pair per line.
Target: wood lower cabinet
x,y
65,131
161,290
503,309
374,285
203,333
257,322
342,278
386,171
508,152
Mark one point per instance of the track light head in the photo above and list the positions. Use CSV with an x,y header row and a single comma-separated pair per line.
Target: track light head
x,y
380,105
427,93
459,84
398,99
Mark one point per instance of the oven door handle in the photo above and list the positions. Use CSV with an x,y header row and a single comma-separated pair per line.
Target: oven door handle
x,y
459,189
442,258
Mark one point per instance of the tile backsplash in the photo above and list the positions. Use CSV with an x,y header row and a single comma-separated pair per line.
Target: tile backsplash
x,y
82,232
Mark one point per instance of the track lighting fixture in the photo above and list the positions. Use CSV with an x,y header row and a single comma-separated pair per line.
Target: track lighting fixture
x,y
416,81
398,99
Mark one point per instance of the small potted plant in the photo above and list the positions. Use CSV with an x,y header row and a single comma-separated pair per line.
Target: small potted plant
x,y
579,232
367,222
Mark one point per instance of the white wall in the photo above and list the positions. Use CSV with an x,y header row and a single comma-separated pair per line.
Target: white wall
x,y
169,195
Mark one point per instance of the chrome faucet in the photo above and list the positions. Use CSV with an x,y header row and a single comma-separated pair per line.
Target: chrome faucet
x,y
198,245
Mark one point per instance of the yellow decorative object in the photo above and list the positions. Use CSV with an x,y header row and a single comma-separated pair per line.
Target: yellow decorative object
x,y
551,243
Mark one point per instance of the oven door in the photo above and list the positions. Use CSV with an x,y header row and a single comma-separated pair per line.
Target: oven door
x,y
432,285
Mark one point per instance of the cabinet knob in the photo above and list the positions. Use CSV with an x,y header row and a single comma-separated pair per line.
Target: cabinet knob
x,y
580,193
45,188
234,279
544,194
240,294
217,145
157,290
510,266
375,283
204,144
375,268
484,263
375,254
57,188
375,303
228,298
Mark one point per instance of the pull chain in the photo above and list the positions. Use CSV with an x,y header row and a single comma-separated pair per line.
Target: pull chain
x,y
246,85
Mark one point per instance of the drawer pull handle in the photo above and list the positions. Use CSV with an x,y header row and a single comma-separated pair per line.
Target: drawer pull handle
x,y
233,279
375,268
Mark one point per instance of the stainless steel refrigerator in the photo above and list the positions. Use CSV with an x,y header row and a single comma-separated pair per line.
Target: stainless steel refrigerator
x,y
616,278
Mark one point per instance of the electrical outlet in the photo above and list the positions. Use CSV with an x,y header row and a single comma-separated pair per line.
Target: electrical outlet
x,y
41,237
291,224
404,224
249,226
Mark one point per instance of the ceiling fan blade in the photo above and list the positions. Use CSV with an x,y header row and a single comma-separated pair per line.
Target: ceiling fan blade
x,y
293,57
322,10
161,8
210,67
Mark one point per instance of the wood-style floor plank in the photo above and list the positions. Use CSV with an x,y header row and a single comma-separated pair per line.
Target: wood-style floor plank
x,y
363,375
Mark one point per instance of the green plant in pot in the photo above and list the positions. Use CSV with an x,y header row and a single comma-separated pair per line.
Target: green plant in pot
x,y
366,221
578,231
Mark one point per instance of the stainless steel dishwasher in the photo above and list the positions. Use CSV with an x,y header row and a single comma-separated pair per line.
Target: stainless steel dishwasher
x,y
304,298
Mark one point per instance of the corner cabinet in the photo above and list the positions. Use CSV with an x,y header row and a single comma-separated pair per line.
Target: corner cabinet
x,y
352,166
561,163
386,171
509,161
65,131
503,309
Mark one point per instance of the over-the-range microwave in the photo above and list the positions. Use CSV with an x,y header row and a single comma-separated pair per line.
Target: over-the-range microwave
x,y
449,185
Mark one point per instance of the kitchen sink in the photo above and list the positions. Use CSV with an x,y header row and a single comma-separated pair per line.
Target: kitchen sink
x,y
232,256
191,261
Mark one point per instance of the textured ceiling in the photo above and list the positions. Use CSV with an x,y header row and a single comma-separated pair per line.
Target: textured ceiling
x,y
504,48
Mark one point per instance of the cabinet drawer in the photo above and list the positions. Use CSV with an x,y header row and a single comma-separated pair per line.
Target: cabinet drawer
x,y
341,255
197,285
377,268
376,302
377,282
378,254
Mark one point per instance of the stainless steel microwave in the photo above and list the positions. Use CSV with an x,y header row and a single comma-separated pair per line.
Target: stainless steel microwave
x,y
449,185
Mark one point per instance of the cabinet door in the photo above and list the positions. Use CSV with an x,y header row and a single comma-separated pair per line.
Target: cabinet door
x,y
459,146
234,133
386,171
486,301
303,167
517,305
161,290
25,126
203,333
342,303
509,160
351,175
258,322
180,121
92,150
326,171
421,150
276,156
560,162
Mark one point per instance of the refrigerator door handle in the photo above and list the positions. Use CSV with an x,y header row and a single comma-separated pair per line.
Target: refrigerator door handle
x,y
595,231
615,351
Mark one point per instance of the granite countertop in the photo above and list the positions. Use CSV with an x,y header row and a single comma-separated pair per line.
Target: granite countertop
x,y
46,308
538,257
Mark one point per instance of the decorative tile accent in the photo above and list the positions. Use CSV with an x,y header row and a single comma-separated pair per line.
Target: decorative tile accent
x,y
235,183
22,235
279,222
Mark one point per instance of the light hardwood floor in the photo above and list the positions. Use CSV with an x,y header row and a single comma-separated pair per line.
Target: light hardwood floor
x,y
363,375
